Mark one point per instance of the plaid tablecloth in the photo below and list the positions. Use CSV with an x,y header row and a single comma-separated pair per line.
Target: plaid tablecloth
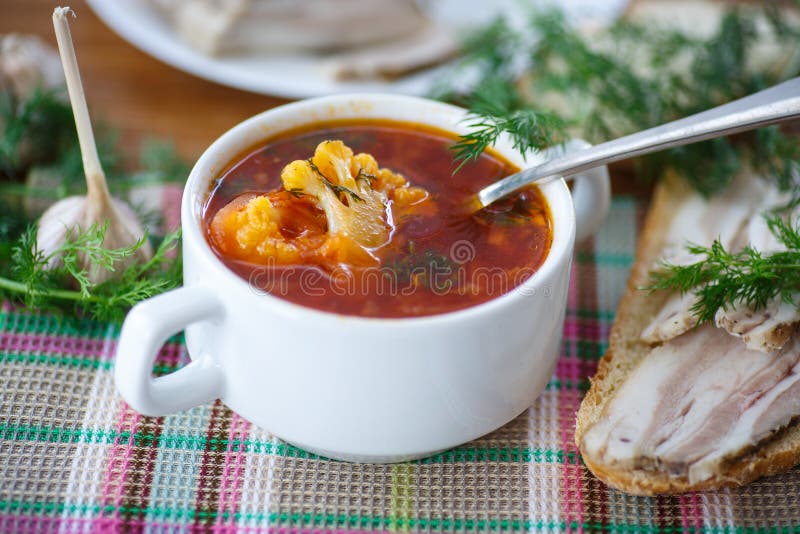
x,y
75,458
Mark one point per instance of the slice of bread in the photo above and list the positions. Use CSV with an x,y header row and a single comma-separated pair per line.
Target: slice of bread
x,y
636,310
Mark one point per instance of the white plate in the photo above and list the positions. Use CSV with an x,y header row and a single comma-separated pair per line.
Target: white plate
x,y
301,75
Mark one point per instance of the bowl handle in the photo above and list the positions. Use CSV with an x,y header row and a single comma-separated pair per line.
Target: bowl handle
x,y
146,328
591,194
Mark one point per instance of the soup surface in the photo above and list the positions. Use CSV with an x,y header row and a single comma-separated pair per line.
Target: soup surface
x,y
438,258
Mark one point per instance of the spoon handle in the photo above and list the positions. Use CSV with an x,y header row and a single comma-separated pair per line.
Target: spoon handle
x,y
770,106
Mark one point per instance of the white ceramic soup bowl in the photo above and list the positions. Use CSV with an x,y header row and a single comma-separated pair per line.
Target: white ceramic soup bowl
x,y
345,387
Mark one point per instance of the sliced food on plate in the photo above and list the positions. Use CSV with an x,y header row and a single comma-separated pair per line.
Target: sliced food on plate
x,y
375,39
221,27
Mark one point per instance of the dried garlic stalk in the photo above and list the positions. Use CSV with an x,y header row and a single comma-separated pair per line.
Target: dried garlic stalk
x,y
77,213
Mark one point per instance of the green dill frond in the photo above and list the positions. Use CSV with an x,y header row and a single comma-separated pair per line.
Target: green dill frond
x,y
721,278
786,233
342,190
366,177
429,269
13,222
164,271
339,190
37,129
495,109
633,77
43,284
40,162
487,53
29,264
492,46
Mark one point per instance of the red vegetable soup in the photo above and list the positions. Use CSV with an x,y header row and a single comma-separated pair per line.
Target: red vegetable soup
x,y
367,218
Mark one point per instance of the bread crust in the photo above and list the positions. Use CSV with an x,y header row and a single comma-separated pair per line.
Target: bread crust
x,y
625,350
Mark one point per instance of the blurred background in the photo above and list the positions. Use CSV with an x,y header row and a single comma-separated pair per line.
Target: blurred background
x,y
187,70
136,94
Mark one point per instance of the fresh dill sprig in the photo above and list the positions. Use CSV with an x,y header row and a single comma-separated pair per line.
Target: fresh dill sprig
x,y
721,278
296,192
429,269
13,222
496,109
488,53
342,190
41,280
337,189
140,281
366,177
632,77
80,246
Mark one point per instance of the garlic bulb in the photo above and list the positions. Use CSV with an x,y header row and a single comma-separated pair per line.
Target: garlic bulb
x,y
78,213
26,63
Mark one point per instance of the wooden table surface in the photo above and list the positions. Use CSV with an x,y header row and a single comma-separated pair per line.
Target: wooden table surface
x,y
134,93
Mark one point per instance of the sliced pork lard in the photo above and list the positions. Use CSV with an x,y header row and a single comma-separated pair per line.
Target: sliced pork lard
x,y
768,328
695,402
701,221
672,319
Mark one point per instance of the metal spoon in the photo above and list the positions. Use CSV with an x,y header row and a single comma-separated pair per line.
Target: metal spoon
x,y
776,104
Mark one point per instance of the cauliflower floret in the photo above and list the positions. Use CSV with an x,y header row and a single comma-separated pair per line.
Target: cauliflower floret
x,y
334,210
342,188
250,227
393,185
